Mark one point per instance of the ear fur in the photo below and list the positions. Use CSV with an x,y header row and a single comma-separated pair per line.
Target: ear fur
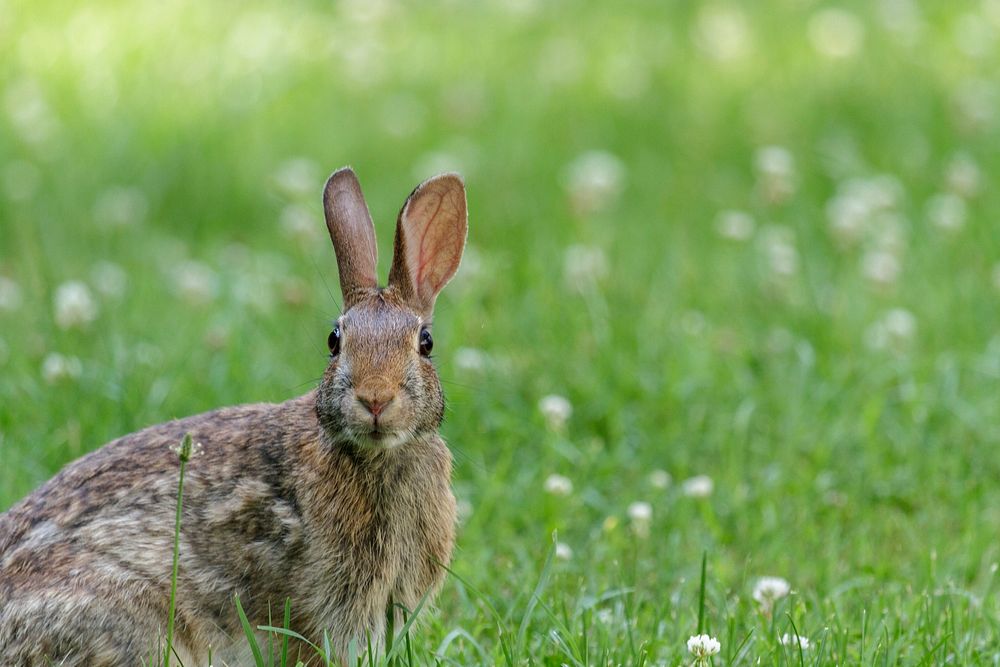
x,y
430,238
352,233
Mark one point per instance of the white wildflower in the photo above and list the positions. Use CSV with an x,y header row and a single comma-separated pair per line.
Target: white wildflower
x,y
74,305
779,251
893,331
556,410
584,267
974,36
723,33
775,173
563,551
298,177
195,282
120,206
947,211
659,479
593,181
699,486
848,217
880,267
791,640
10,294
470,360
57,367
769,590
836,33
963,176
703,647
299,224
558,485
463,508
109,279
734,225
640,514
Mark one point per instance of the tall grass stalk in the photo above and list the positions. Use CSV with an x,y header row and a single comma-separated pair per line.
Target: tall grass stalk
x,y
184,454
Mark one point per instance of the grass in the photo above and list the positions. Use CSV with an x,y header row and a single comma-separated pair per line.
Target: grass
x,y
845,411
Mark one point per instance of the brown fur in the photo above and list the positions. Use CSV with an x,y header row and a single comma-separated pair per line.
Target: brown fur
x,y
317,500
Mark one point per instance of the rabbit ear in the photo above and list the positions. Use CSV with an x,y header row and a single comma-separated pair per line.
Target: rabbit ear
x,y
352,233
430,237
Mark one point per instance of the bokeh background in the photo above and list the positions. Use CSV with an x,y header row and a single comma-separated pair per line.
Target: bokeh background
x,y
731,289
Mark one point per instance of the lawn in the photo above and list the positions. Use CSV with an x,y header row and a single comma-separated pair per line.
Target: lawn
x,y
732,291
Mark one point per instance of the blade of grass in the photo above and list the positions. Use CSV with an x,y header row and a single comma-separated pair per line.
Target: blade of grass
x,y
248,631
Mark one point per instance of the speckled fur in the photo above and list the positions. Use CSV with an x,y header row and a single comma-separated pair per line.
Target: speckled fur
x,y
309,500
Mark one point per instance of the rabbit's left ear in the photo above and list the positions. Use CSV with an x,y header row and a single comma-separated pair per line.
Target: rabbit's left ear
x,y
430,237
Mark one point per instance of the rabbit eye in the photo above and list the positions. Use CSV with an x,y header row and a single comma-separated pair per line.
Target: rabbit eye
x,y
426,342
333,341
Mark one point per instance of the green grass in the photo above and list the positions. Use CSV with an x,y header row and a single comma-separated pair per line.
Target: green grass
x,y
864,469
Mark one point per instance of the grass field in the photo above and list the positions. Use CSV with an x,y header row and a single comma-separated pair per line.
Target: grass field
x,y
754,246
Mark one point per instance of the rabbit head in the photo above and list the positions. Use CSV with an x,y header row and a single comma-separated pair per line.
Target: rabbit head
x,y
380,388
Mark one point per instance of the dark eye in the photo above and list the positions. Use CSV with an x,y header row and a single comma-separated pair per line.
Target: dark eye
x,y
333,341
426,342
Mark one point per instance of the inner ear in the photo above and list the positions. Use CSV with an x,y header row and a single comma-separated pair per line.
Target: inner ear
x,y
430,237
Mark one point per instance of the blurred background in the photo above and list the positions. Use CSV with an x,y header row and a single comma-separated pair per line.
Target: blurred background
x,y
731,284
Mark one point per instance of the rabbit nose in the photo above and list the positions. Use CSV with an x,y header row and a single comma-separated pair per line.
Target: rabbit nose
x,y
375,399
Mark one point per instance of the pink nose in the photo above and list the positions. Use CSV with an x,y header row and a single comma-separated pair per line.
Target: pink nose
x,y
374,406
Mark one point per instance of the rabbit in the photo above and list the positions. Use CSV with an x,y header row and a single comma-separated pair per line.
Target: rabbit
x,y
339,500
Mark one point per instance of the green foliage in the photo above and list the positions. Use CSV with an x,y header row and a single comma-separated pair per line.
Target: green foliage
x,y
828,354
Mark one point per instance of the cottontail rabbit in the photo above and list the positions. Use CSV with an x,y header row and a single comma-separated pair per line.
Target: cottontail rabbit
x,y
339,500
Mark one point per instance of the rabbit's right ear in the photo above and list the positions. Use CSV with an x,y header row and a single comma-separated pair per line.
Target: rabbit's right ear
x,y
353,235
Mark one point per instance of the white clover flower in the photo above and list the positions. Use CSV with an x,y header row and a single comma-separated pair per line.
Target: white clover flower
x,y
558,485
894,331
659,479
195,282
836,33
298,177
74,305
963,176
463,508
699,486
120,206
10,294
640,514
780,252
793,640
734,225
947,211
723,33
109,279
775,173
593,181
703,647
769,590
556,410
471,360
57,367
584,267
299,224
880,267
563,551
903,18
